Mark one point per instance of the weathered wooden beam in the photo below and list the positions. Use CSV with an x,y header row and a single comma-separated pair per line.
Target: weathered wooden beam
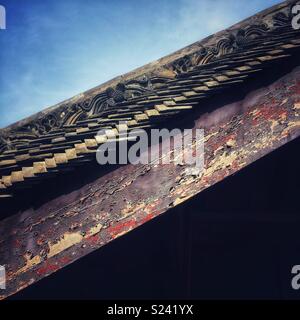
x,y
39,241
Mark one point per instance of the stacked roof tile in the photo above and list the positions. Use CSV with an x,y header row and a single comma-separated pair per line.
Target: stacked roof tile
x,y
67,136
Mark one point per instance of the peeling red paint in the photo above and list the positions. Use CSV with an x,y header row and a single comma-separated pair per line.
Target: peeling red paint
x,y
47,269
129,196
121,226
149,217
93,240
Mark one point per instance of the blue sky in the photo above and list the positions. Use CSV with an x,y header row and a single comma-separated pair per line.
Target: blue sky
x,y
55,49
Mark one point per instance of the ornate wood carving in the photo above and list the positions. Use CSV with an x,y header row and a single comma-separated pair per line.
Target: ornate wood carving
x,y
70,113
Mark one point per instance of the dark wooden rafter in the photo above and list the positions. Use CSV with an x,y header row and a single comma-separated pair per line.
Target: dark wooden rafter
x,y
41,240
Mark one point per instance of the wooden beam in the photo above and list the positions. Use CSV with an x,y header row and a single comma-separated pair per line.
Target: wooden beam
x,y
119,201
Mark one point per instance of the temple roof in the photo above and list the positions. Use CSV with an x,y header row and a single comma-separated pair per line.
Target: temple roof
x,y
241,85
66,135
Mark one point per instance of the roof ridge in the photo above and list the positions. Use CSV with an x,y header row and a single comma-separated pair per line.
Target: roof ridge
x,y
152,68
